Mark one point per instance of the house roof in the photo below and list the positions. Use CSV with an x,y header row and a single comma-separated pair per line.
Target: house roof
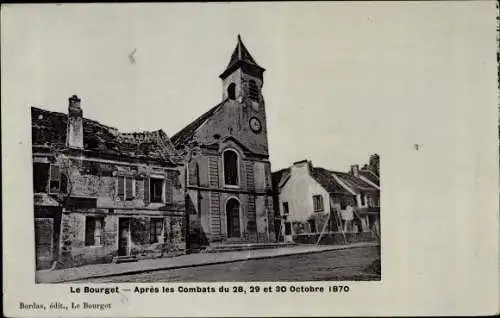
x,y
188,132
354,183
370,175
278,176
240,55
326,179
50,128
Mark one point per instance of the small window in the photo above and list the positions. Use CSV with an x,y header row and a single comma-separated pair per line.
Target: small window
x,y
156,190
155,230
231,91
230,167
55,179
253,90
362,195
40,177
93,230
286,211
126,188
288,228
318,203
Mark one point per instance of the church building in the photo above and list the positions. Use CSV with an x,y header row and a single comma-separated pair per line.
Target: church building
x,y
228,179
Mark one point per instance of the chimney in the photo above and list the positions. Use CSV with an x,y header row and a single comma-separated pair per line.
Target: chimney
x,y
355,170
303,166
74,133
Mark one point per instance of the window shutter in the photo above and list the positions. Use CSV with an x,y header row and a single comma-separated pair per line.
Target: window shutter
x,y
64,183
55,178
169,186
146,191
128,188
54,172
121,187
193,173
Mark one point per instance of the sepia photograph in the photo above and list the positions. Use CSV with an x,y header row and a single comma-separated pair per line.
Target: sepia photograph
x,y
202,205
250,159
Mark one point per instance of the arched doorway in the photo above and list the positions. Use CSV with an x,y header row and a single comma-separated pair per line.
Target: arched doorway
x,y
233,218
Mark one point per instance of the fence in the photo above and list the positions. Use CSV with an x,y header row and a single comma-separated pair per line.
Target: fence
x,y
335,238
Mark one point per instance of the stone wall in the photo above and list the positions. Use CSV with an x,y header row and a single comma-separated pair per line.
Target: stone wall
x,y
74,252
100,180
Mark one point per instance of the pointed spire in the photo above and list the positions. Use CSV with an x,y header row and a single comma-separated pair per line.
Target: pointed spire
x,y
240,55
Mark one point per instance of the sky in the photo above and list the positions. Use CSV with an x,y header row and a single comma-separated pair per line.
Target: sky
x,y
342,81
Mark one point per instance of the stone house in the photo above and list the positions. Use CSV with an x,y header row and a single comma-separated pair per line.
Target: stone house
x,y
226,150
314,200
102,195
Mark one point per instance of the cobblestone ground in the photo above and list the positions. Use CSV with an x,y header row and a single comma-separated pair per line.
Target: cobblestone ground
x,y
347,264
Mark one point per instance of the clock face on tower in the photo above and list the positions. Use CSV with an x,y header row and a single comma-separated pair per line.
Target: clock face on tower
x,y
255,125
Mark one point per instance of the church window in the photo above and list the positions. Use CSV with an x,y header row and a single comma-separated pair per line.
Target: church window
x,y
253,90
231,91
230,167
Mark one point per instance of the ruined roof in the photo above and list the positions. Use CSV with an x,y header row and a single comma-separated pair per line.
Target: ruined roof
x,y
187,133
326,179
354,183
49,129
370,175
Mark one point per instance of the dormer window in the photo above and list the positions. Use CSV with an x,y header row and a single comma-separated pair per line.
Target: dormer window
x,y
231,91
253,90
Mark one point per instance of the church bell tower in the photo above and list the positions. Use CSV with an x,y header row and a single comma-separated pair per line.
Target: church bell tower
x,y
243,78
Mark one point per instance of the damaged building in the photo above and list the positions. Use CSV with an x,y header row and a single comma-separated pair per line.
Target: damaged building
x,y
101,195
229,174
319,203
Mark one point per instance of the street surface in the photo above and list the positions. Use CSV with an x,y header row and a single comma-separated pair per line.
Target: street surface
x,y
346,264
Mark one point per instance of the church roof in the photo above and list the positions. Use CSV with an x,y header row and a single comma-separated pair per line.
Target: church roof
x,y
49,129
187,133
240,55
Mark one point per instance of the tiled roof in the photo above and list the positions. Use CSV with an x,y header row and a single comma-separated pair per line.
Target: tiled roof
x,y
356,184
187,133
49,129
370,176
326,179
277,177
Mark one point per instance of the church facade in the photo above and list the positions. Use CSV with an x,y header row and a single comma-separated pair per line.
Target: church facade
x,y
228,178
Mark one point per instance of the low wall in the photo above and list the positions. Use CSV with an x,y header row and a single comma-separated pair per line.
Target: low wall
x,y
335,238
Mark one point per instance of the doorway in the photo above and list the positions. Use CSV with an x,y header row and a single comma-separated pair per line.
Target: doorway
x,y
44,229
233,218
124,237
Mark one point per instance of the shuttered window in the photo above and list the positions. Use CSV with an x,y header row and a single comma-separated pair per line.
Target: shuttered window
x,y
126,188
129,188
318,203
55,179
253,90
